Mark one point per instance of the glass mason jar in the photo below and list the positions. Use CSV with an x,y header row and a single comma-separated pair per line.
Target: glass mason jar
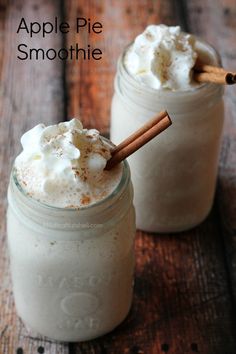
x,y
174,175
72,269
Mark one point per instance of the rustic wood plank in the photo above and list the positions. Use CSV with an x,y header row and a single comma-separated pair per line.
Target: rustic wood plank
x,y
192,311
217,21
31,92
227,178
182,301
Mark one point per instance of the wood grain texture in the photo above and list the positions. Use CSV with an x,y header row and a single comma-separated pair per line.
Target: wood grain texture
x,y
217,21
31,92
182,301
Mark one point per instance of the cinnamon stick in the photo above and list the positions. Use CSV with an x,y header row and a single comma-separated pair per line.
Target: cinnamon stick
x,y
210,73
138,139
202,67
217,78
140,131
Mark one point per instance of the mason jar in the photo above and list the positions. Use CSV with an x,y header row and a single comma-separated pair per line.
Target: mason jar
x,y
72,269
174,175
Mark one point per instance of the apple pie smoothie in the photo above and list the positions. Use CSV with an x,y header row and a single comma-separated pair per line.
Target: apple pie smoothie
x,y
174,176
71,232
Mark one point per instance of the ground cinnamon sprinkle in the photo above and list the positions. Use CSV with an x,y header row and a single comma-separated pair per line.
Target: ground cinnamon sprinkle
x,y
85,199
84,178
88,150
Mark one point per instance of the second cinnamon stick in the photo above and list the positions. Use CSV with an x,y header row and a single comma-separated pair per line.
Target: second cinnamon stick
x,y
217,78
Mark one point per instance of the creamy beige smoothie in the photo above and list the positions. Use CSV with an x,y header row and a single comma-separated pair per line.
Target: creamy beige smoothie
x,y
174,176
70,233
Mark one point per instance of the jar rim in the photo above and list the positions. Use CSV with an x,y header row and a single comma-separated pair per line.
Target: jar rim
x,y
168,92
120,186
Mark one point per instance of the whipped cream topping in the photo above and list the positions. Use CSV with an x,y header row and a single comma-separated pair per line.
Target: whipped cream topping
x,y
63,165
162,57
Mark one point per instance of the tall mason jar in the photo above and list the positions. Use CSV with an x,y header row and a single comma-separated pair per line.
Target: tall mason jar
x,y
72,269
174,175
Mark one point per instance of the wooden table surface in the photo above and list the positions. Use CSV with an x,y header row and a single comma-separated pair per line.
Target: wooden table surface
x,y
185,288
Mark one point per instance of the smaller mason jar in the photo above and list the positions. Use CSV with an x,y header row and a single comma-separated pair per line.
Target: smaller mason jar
x,y
174,175
72,269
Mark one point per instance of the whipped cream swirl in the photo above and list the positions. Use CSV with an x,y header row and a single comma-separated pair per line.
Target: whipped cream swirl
x,y
63,165
162,57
